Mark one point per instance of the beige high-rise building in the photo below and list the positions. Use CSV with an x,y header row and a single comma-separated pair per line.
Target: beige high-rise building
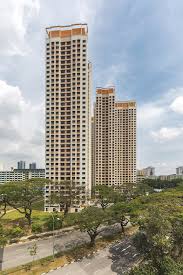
x,y
92,151
125,142
104,125
115,139
68,112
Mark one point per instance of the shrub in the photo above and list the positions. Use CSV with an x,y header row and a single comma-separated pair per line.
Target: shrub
x,y
37,228
58,221
70,219
15,232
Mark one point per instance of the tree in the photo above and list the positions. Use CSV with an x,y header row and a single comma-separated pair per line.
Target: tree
x,y
21,195
3,236
154,237
105,195
90,220
177,235
127,191
3,205
143,189
66,195
119,213
54,222
167,267
33,250
162,184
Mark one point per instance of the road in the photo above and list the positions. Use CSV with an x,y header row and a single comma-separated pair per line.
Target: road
x,y
18,254
114,260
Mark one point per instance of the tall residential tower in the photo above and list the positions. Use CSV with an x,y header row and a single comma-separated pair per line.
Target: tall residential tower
x,y
68,113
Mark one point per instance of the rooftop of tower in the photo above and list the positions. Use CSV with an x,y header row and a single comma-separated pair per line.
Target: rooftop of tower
x,y
105,91
67,30
125,104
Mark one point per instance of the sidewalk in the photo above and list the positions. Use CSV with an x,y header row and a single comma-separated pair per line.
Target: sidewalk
x,y
43,236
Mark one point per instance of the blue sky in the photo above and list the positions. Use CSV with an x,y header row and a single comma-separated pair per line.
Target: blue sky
x,y
135,45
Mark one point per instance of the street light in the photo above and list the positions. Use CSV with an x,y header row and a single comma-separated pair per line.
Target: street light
x,y
53,229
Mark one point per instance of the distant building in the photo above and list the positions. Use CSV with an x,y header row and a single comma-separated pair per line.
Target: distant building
x,y
179,170
148,172
21,164
21,175
163,177
32,166
174,176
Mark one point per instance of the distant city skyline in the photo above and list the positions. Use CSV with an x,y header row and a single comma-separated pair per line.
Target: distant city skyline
x,y
139,50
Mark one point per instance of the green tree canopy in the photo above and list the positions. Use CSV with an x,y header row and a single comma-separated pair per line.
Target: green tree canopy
x,y
3,236
105,195
119,213
90,220
154,237
67,194
21,195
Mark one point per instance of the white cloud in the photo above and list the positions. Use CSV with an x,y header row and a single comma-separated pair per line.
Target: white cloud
x,y
21,127
177,105
167,134
160,132
88,10
150,114
15,18
154,114
11,101
113,72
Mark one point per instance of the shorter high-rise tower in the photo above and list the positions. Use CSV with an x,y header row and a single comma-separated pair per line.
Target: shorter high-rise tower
x,y
114,140
104,136
125,142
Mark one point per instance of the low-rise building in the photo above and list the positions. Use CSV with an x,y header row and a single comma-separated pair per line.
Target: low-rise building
x,y
21,175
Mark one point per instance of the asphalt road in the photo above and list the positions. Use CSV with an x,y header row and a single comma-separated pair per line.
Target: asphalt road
x,y
18,254
114,260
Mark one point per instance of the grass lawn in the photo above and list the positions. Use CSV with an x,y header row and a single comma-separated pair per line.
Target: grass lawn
x,y
36,214
13,218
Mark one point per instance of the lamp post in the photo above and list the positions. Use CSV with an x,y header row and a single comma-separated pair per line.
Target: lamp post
x,y
53,231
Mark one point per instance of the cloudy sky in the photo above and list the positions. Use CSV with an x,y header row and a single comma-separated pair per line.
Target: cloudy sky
x,y
135,45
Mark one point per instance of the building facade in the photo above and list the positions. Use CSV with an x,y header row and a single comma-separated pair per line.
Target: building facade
x,y
104,123
125,142
21,175
115,139
92,151
68,111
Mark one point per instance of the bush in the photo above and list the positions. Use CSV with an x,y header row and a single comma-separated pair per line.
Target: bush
x,y
70,219
58,221
37,228
15,232
3,236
